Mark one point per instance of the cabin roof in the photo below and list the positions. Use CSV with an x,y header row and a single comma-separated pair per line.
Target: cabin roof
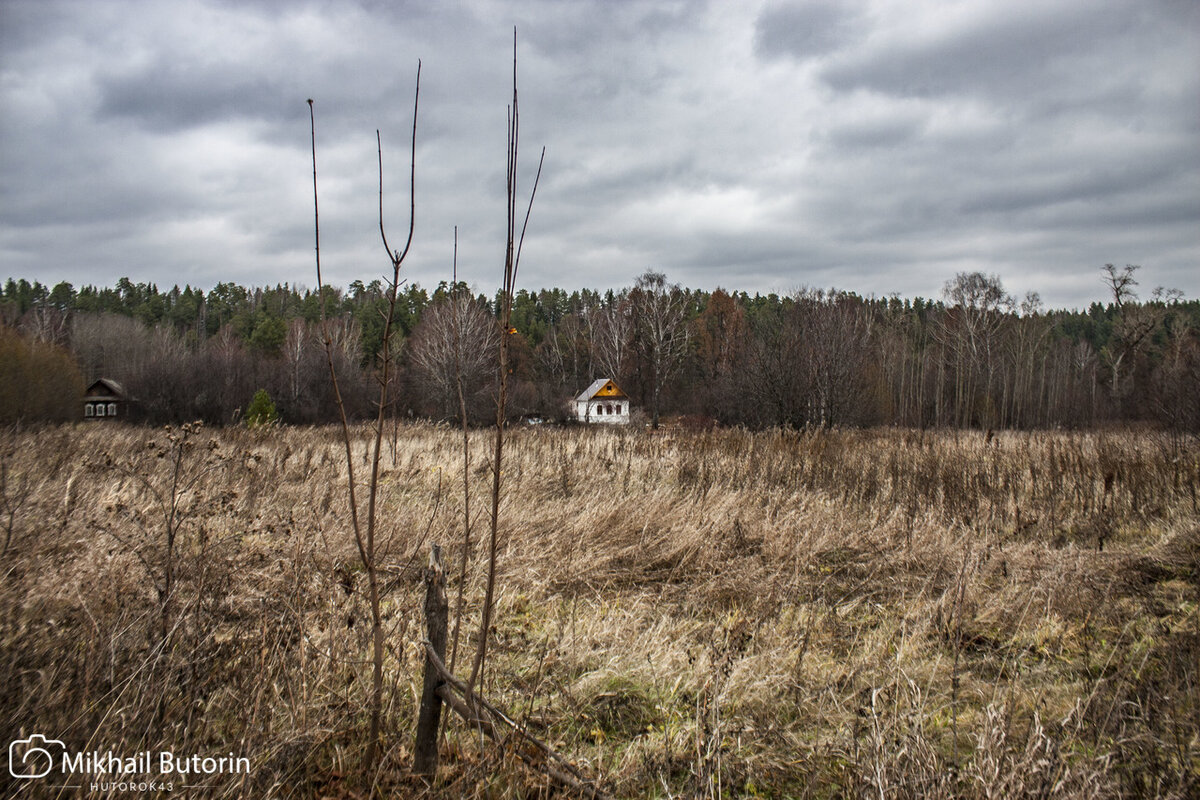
x,y
604,387
105,387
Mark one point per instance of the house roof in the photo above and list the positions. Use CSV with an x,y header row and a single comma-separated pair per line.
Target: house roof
x,y
604,387
112,387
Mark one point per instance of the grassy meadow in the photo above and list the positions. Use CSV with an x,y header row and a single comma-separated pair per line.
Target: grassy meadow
x,y
875,614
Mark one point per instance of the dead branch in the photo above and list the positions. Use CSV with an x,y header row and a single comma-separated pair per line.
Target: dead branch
x,y
486,717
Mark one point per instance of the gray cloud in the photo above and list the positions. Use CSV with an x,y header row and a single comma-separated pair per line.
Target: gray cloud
x,y
804,29
167,96
1011,49
875,146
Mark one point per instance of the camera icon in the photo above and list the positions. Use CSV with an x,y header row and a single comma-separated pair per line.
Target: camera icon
x,y
33,757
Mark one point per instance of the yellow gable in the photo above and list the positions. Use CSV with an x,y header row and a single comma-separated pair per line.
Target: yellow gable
x,y
609,390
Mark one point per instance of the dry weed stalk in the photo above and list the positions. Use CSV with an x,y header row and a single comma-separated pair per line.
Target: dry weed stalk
x,y
466,458
173,506
512,260
14,494
366,540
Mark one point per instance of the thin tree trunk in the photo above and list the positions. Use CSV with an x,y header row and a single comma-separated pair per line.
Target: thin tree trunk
x,y
466,450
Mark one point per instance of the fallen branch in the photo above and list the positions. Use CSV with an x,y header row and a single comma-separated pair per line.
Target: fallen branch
x,y
488,719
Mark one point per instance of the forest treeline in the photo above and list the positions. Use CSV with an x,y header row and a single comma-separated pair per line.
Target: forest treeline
x,y
975,357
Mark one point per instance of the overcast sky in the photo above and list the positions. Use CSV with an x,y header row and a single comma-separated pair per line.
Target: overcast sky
x,y
873,146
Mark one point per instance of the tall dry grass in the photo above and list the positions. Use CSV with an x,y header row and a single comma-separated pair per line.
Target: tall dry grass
x,y
721,614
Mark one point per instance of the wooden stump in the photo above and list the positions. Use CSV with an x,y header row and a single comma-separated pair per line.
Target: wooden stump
x,y
425,750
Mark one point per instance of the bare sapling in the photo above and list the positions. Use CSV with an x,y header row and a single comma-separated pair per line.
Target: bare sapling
x,y
512,259
14,492
466,451
365,540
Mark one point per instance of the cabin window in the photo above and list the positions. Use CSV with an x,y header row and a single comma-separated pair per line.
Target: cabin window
x,y
99,409
608,410
112,409
600,410
87,409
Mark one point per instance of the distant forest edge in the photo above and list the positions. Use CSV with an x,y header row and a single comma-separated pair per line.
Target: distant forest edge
x,y
974,358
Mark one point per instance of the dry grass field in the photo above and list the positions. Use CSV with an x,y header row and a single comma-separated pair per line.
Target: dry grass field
x,y
880,614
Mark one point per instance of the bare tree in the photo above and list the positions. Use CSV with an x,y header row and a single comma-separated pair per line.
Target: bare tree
x,y
836,333
1121,282
610,333
1133,325
1177,396
566,354
46,323
228,366
773,374
1025,340
110,346
294,347
660,310
968,330
456,329
365,540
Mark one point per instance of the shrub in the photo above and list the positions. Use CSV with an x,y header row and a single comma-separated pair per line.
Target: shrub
x,y
261,410
39,382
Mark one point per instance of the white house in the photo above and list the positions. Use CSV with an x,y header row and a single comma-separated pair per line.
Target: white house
x,y
603,401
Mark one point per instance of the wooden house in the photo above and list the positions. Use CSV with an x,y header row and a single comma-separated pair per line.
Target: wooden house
x,y
105,399
603,402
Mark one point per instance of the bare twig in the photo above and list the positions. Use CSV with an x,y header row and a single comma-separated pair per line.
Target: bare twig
x,y
511,262
328,342
466,469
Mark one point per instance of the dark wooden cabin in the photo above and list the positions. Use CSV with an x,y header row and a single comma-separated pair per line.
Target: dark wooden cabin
x,y
105,399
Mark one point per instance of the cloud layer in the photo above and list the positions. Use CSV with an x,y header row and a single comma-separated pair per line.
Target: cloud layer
x,y
879,147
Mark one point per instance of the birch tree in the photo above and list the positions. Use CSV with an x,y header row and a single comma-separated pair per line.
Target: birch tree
x,y
660,309
432,351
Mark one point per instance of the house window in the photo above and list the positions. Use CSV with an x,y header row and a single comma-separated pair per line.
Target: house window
x,y
87,409
600,410
112,409
99,409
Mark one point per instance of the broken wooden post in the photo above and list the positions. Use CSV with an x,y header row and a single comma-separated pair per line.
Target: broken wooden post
x,y
425,750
